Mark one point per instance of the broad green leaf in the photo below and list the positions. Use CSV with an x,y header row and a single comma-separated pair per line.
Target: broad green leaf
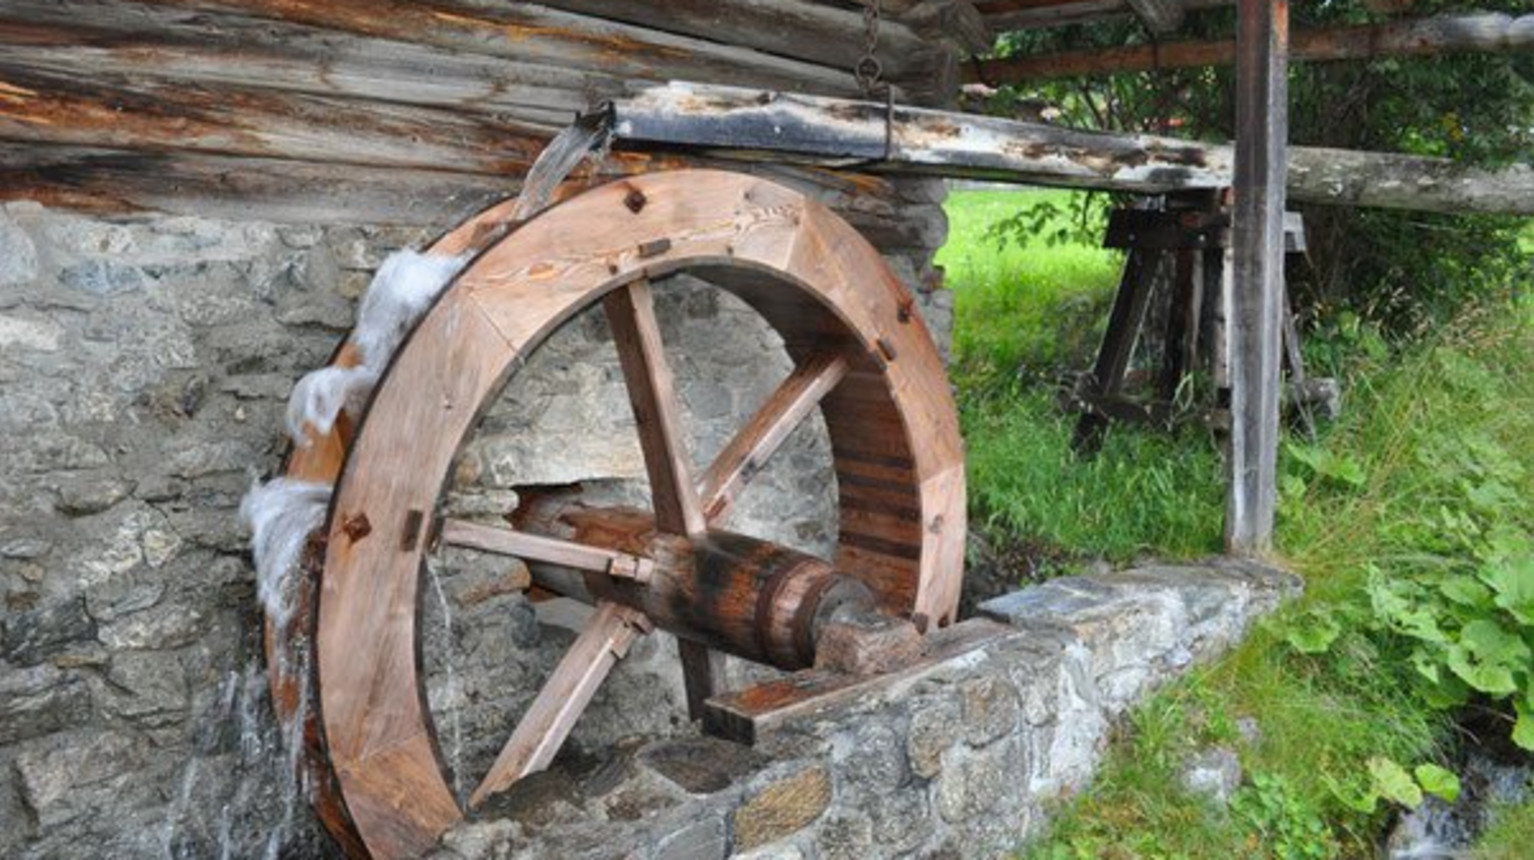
x,y
1312,633
1523,729
1513,581
1392,782
1493,678
1438,782
1492,643
1466,591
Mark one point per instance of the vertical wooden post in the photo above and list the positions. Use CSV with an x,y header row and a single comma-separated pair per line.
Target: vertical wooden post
x,y
1262,130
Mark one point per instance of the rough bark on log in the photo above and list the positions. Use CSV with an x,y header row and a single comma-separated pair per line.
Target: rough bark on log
x,y
136,113
755,125
538,34
1003,15
827,35
89,39
1484,33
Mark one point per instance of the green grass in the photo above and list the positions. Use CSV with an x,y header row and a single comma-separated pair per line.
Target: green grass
x,y
1363,495
1024,316
1510,835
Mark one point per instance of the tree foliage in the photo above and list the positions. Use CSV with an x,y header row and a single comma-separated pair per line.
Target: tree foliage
x,y
1401,270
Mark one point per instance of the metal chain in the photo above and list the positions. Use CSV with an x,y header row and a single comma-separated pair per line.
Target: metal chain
x,y
869,70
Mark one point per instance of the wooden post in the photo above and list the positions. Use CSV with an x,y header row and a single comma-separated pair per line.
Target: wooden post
x,y
1262,129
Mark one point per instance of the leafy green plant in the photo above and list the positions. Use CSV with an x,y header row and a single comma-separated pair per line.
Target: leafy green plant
x,y
1290,828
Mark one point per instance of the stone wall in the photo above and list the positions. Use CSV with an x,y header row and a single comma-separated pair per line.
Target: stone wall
x,y
958,756
144,364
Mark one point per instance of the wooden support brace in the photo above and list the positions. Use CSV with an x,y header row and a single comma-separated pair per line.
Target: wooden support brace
x,y
1262,130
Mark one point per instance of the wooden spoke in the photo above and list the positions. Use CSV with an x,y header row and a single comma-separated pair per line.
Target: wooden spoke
x,y
761,437
536,548
652,393
702,674
606,639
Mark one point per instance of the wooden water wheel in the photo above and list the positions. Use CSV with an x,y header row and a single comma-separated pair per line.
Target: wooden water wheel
x,y
862,356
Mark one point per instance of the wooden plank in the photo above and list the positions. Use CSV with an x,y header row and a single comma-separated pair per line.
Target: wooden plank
x,y
542,731
531,548
750,449
1446,34
751,125
749,716
657,411
703,675
1262,130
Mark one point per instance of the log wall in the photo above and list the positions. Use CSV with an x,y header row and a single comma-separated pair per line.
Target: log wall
x,y
435,97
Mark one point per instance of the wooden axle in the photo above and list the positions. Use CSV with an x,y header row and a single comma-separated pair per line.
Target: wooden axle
x,y
749,597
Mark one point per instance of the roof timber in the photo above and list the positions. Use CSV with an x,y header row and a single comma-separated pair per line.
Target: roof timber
x,y
751,124
1484,33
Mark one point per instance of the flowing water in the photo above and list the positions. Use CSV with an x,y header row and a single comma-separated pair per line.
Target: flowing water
x,y
586,135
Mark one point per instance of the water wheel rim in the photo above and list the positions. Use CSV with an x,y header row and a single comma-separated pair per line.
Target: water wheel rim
x,y
377,727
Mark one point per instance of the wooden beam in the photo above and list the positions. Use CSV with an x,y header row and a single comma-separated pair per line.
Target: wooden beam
x,y
548,721
538,548
1479,33
534,33
748,452
1004,15
657,411
1256,312
753,125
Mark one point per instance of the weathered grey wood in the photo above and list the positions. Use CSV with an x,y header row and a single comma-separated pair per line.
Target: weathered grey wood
x,y
749,125
129,111
123,181
1262,129
539,34
1478,33
87,38
817,33
1124,322
1003,15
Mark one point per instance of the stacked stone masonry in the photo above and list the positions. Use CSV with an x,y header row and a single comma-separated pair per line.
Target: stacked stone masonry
x,y
959,756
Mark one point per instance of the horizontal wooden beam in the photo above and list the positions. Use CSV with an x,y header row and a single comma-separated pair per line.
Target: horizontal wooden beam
x,y
1481,33
752,124
1004,15
534,33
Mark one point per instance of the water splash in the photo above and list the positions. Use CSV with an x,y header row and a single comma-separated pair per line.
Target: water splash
x,y
588,134
281,514
451,693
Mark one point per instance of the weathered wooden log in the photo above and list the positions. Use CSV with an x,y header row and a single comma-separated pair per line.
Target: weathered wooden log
x,y
86,40
730,123
138,113
1004,15
1484,33
818,33
538,34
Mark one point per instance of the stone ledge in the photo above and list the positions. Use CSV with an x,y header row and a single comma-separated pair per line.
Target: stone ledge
x,y
958,754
